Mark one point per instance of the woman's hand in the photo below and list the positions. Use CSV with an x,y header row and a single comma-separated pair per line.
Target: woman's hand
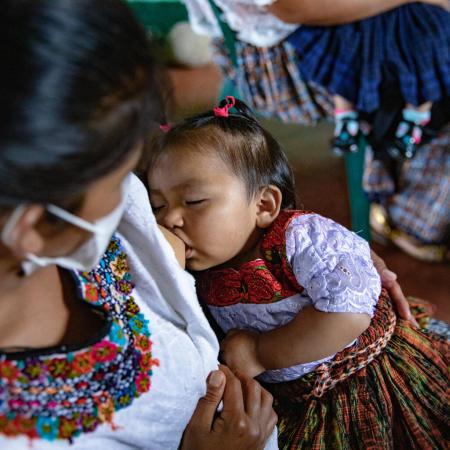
x,y
389,281
245,422
239,351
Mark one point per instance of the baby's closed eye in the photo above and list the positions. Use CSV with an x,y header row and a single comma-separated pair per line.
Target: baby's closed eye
x,y
195,202
156,208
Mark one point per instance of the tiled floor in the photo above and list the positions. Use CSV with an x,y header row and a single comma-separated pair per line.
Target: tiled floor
x,y
320,183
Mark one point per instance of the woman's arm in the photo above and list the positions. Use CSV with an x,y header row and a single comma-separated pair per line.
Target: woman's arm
x,y
335,12
310,336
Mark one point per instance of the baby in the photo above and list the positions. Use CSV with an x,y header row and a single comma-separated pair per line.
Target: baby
x,y
296,293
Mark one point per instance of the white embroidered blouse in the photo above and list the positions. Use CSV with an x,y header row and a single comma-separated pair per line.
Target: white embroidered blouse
x,y
248,18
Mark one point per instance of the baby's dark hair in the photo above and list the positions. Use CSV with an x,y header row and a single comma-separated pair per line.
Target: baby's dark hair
x,y
244,145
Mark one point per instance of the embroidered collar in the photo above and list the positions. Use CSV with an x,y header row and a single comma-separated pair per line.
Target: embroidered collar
x,y
62,392
265,280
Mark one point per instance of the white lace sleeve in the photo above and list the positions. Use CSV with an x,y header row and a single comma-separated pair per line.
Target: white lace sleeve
x,y
248,18
333,264
202,18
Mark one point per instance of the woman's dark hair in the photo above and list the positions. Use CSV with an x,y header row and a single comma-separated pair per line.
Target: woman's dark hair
x,y
244,145
78,90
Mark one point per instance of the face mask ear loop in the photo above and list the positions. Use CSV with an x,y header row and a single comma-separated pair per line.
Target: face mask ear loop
x,y
78,221
11,223
72,219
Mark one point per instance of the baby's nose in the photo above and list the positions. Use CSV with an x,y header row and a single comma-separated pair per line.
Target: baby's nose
x,y
173,218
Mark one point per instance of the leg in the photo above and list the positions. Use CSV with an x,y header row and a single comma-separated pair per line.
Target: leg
x,y
341,104
408,136
347,129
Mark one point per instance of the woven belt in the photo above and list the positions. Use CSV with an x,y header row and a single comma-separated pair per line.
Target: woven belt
x,y
332,373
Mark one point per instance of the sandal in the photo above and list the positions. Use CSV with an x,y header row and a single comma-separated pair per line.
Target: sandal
x,y
384,233
408,139
346,141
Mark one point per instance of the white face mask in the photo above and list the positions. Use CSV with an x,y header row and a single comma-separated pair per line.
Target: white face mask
x,y
88,255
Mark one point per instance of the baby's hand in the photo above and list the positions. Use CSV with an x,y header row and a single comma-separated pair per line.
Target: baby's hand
x,y
239,351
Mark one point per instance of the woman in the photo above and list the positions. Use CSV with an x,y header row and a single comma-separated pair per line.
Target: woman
x,y
265,63
79,90
117,356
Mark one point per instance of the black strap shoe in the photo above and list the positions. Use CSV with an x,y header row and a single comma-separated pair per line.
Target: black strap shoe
x,y
405,147
345,142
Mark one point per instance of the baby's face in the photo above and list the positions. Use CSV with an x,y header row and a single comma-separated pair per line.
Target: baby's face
x,y
197,197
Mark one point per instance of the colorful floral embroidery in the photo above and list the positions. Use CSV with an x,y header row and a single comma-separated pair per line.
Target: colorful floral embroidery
x,y
62,395
265,280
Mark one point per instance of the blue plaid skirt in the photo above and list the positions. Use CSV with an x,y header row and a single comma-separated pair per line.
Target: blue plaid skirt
x,y
407,47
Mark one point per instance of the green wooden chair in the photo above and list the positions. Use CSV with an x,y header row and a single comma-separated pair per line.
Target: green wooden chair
x,y
160,15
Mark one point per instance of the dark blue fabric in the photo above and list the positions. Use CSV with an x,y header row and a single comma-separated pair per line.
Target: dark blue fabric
x,y
408,47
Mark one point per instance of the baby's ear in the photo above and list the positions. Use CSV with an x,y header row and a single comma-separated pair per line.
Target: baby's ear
x,y
268,205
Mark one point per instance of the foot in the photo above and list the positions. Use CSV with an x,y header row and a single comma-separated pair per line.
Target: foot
x,y
416,249
384,233
379,224
408,139
410,133
347,135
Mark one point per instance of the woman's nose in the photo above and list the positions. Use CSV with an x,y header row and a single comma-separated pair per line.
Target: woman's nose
x,y
173,218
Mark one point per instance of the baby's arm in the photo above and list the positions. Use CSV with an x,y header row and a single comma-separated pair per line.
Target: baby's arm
x,y
310,336
335,12
334,267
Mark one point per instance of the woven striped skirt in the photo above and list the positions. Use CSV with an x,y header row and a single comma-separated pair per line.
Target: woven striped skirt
x,y
388,391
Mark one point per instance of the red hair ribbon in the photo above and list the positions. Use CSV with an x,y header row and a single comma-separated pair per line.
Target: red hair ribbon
x,y
224,110
165,127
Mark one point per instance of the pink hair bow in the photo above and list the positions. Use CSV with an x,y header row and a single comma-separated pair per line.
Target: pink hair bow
x,y
165,127
224,110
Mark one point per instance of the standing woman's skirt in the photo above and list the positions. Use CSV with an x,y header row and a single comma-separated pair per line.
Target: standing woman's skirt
x,y
408,47
420,203
268,80
388,391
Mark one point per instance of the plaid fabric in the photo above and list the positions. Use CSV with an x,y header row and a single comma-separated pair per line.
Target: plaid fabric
x,y
439,327
269,82
420,205
398,400
408,46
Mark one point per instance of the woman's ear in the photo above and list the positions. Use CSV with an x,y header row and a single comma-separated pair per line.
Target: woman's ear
x,y
268,205
23,237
